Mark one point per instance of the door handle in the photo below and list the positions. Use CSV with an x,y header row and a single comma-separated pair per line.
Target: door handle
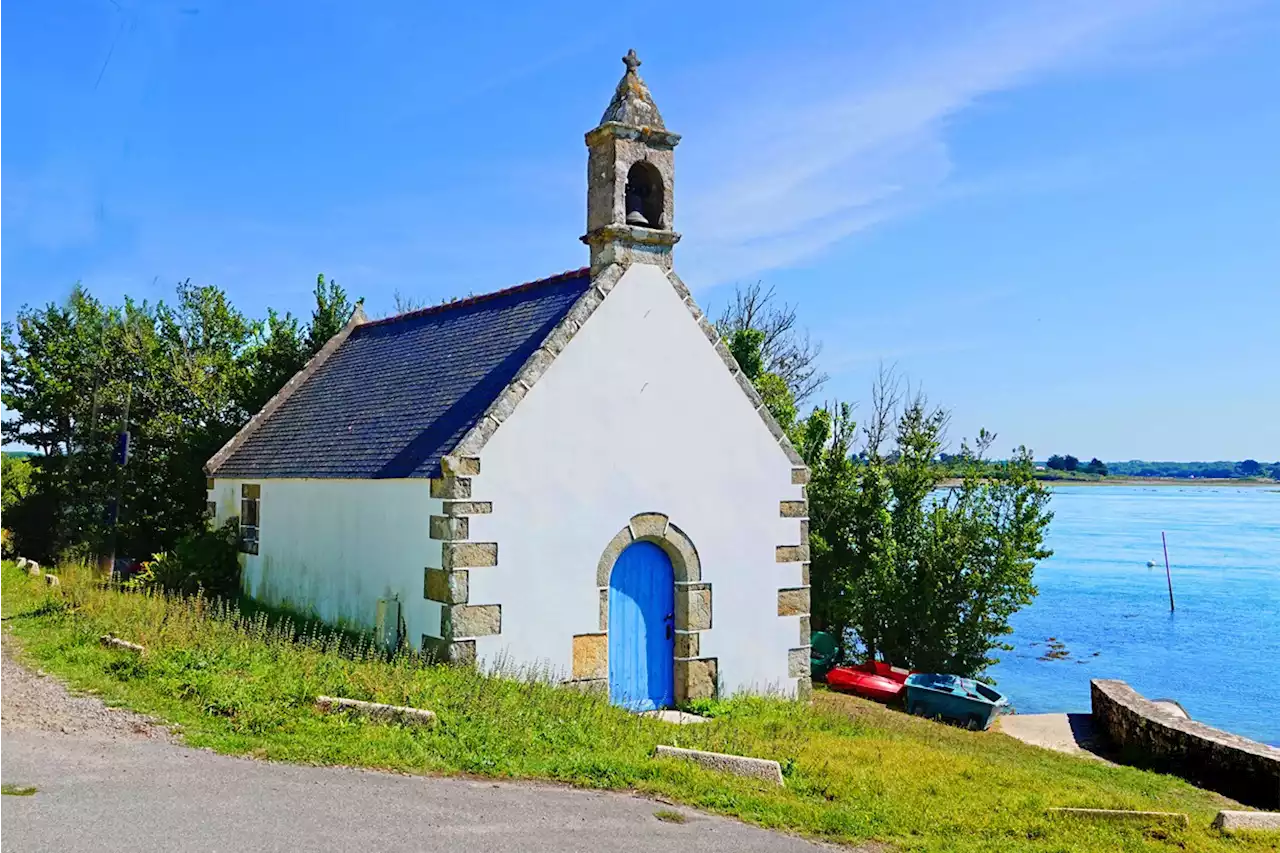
x,y
669,621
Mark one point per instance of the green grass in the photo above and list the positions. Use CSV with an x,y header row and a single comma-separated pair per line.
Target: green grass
x,y
670,816
854,771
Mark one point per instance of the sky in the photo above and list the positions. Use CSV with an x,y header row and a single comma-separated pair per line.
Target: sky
x,y
1061,220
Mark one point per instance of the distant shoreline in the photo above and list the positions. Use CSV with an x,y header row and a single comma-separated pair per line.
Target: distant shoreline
x,y
1164,481
1150,481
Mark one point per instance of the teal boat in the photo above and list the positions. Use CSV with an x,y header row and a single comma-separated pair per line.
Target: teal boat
x,y
958,700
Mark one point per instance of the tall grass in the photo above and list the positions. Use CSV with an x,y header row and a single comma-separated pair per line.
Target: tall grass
x,y
244,681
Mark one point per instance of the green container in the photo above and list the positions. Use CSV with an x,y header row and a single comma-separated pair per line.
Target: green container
x,y
823,654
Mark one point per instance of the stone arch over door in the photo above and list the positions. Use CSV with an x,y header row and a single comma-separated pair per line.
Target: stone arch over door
x,y
696,677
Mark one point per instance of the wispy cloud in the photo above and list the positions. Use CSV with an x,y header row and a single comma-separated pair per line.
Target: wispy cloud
x,y
830,145
785,155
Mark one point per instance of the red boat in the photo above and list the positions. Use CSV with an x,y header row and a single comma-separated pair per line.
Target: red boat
x,y
872,680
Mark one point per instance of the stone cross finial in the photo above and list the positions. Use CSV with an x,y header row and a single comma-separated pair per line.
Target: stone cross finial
x,y
631,104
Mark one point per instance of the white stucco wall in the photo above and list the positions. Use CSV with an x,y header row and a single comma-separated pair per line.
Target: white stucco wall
x,y
332,548
638,414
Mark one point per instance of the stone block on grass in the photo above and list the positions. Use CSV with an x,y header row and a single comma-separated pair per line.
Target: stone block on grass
x,y
1236,821
377,711
739,765
116,643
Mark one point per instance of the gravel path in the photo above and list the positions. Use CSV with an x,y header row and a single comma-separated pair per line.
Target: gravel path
x,y
31,700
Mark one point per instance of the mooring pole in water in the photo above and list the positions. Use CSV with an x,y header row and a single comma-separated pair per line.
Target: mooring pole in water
x,y
1167,575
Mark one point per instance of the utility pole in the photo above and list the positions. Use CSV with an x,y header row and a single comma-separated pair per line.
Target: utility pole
x,y
107,561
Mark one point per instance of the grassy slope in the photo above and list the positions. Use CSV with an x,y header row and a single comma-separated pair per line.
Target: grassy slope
x,y
855,771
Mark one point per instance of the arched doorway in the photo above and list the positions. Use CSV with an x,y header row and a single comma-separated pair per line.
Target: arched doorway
x,y
598,656
642,629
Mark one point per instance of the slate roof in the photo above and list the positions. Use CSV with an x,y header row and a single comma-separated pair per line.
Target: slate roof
x,y
398,394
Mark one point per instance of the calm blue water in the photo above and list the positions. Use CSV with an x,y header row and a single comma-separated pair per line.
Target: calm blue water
x,y
1218,654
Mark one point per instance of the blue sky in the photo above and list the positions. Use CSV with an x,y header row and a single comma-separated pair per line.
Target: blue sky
x,y
1062,219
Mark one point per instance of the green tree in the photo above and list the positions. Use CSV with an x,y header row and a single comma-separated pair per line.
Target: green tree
x,y
1249,468
182,377
834,531
785,349
279,349
58,367
923,576
332,311
747,348
1070,463
188,373
975,570
1096,466
15,481
15,489
1056,463
73,371
745,344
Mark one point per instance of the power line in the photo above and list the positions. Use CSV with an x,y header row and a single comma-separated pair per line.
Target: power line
x,y
111,51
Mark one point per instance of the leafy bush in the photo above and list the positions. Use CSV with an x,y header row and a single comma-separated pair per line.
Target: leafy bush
x,y
15,480
207,562
922,576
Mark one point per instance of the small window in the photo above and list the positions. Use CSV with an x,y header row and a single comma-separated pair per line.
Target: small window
x,y
250,500
211,510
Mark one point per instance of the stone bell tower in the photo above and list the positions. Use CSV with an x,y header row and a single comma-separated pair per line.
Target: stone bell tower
x,y
630,179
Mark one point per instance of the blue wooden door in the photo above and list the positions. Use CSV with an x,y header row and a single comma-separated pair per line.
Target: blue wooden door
x,y
642,629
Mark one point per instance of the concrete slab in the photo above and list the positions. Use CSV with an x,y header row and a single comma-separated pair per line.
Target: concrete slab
x,y
739,765
1233,821
117,643
377,711
1068,733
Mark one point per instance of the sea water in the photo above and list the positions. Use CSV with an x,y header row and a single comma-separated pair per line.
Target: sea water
x,y
1107,612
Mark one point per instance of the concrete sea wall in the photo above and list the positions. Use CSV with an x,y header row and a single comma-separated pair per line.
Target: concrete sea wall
x,y
1148,735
